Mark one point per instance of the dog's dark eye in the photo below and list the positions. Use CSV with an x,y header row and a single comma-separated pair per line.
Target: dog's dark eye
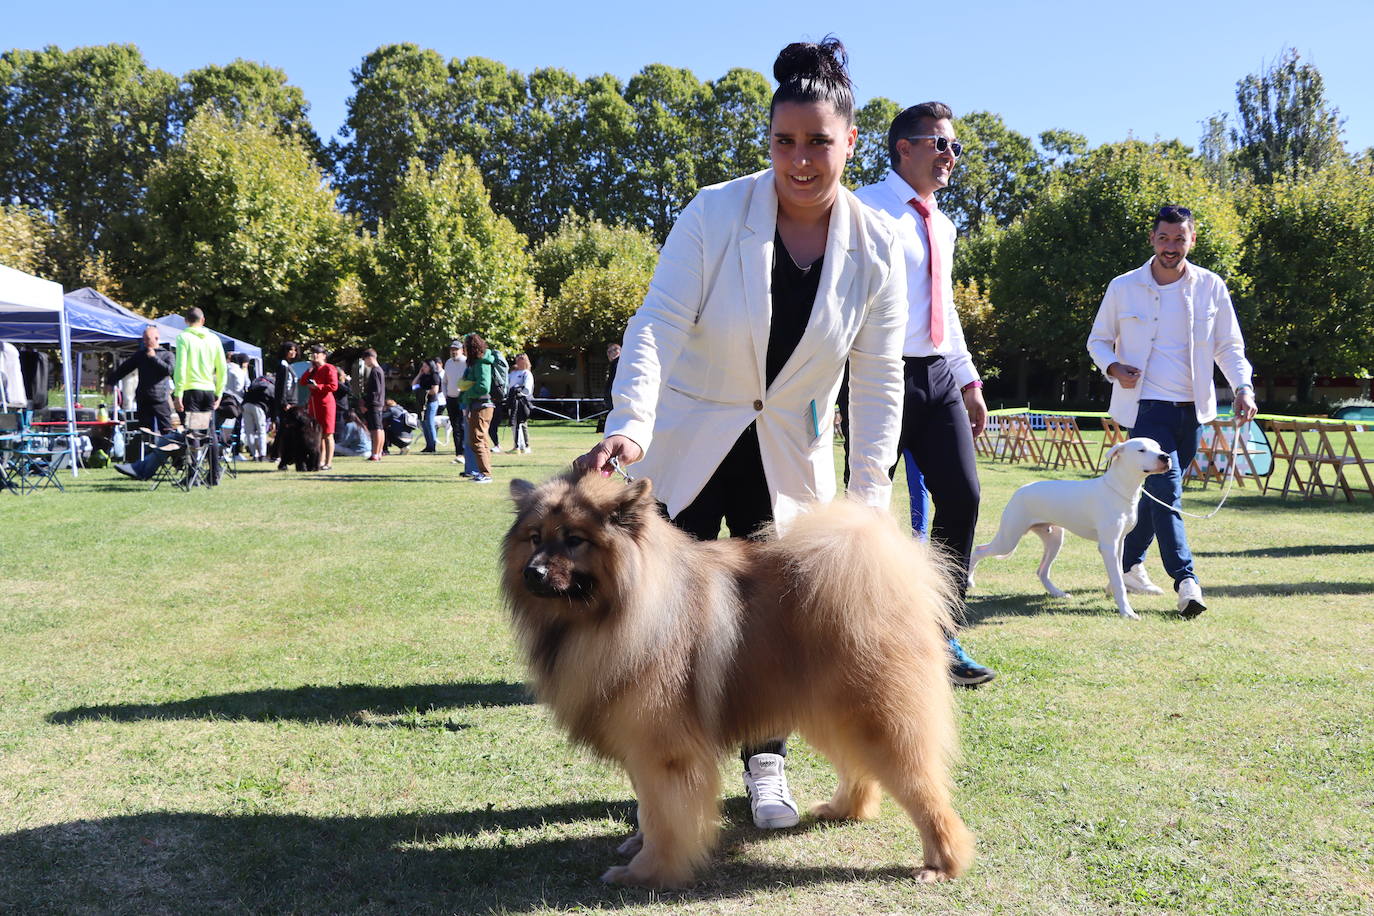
x,y
534,538
573,540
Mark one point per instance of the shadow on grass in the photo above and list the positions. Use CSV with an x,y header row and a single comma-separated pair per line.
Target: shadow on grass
x,y
981,608
1299,550
460,862
1283,589
343,704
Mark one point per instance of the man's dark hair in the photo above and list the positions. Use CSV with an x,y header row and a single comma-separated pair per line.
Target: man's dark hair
x,y
369,352
240,359
1174,213
808,72
193,315
908,123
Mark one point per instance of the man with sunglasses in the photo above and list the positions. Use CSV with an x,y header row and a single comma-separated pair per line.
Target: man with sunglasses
x,y
1157,333
943,407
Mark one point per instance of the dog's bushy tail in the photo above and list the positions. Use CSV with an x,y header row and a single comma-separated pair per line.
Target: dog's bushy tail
x,y
855,563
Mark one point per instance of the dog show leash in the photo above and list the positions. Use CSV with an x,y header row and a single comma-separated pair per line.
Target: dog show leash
x,y
1225,487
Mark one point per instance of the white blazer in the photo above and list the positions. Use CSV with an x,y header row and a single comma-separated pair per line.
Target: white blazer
x,y
691,373
1128,321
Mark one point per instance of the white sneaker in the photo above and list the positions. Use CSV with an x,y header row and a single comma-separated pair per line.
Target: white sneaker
x,y
769,799
1190,602
1138,582
496,449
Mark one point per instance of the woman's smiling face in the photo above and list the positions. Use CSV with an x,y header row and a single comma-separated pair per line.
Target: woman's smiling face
x,y
809,144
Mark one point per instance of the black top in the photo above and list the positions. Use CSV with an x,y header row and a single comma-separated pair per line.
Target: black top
x,y
374,390
154,373
794,292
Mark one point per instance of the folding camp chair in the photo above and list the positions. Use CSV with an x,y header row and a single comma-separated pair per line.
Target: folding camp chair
x,y
202,451
1112,433
1064,443
31,460
1342,456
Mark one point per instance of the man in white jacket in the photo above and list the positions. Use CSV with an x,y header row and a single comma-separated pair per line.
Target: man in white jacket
x,y
1158,331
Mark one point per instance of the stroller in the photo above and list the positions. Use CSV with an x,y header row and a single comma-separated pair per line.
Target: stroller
x,y
399,425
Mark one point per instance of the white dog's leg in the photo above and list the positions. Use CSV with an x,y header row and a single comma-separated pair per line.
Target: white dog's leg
x,y
1053,538
1111,558
1010,530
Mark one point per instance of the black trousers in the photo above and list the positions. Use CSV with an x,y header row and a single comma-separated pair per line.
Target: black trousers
x,y
936,432
736,494
154,413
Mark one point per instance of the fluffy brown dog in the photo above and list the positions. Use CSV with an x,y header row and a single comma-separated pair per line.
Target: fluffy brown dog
x,y
662,652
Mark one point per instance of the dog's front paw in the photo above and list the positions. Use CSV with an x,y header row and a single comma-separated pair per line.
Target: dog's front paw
x,y
929,874
629,874
1128,613
632,845
1056,592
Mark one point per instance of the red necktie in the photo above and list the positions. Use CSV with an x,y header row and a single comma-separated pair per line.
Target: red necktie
x,y
937,286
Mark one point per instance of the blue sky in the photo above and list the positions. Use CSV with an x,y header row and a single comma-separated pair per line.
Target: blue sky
x,y
1104,69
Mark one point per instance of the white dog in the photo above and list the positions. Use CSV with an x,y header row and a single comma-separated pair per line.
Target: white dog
x,y
1101,510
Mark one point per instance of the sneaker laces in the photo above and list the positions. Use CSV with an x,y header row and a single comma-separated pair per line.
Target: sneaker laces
x,y
770,787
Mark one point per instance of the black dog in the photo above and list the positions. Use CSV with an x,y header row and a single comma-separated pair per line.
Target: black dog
x,y
298,441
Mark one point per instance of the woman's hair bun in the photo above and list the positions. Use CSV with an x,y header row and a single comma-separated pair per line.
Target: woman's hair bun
x,y
825,61
810,72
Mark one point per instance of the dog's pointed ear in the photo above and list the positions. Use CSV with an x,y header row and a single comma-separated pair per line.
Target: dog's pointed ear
x,y
520,492
1116,450
635,501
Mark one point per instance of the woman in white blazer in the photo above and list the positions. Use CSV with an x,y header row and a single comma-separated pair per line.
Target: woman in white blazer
x,y
766,287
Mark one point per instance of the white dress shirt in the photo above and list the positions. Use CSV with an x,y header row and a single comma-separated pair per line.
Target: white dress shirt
x,y
893,196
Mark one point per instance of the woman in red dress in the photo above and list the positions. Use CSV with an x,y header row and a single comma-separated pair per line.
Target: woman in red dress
x,y
322,379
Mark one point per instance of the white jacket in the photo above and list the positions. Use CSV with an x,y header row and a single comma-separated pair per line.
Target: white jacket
x,y
691,374
1128,320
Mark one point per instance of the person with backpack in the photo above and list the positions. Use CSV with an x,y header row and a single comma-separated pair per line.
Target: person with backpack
x,y
257,401
477,402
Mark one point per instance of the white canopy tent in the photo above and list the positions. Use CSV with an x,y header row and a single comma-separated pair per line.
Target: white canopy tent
x,y
25,293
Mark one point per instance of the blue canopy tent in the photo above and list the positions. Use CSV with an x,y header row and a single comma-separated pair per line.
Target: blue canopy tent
x,y
231,344
87,296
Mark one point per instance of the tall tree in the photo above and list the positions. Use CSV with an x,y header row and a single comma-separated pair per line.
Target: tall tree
x,y
1051,267
1285,125
997,177
871,160
592,277
399,111
1309,306
665,148
79,131
443,263
736,126
24,236
250,93
240,222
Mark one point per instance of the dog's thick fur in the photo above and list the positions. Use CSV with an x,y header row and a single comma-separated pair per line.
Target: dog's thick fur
x,y
298,441
1102,510
662,652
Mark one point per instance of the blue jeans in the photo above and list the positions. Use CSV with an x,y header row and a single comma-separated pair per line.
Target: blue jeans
x,y
429,424
1176,430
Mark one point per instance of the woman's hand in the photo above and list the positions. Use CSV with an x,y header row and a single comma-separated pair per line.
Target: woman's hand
x,y
622,448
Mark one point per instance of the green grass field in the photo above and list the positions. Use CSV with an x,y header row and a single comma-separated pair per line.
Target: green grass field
x,y
297,694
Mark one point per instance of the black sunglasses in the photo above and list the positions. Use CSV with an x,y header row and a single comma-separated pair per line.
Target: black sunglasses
x,y
1168,212
942,144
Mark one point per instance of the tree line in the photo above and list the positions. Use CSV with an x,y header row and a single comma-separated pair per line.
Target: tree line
x,y
461,194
